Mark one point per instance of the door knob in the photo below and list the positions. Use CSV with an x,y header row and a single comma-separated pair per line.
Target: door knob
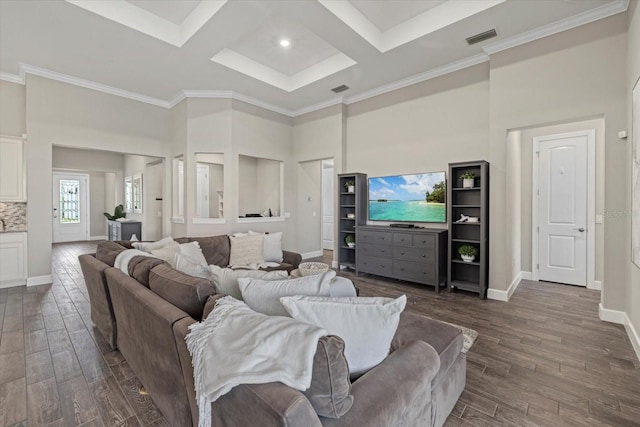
x,y
580,229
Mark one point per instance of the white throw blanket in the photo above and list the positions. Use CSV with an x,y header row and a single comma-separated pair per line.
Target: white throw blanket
x,y
235,345
122,260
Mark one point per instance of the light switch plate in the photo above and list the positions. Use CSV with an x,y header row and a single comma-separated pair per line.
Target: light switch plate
x,y
599,219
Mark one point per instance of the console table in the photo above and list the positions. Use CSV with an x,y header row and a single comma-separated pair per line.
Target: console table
x,y
123,230
413,254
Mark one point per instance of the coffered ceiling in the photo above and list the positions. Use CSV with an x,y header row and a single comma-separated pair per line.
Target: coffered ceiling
x,y
161,51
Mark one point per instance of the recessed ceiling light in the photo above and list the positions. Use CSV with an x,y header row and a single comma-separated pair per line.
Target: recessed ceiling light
x,y
285,43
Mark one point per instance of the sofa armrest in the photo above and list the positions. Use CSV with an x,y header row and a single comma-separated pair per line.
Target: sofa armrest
x,y
267,405
99,298
393,391
292,258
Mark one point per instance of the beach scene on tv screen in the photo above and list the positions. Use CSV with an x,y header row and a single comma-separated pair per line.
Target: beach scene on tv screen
x,y
408,198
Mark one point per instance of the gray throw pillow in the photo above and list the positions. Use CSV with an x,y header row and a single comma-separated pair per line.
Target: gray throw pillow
x,y
330,390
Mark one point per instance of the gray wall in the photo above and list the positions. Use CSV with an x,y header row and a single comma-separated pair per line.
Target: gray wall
x,y
309,202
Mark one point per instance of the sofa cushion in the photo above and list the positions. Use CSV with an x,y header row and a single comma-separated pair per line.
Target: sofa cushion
x,y
246,250
271,246
226,279
330,389
151,246
191,261
167,252
140,266
264,296
215,249
367,325
186,292
447,340
107,251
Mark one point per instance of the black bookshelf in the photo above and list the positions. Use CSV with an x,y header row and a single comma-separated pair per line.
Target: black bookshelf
x,y
352,211
472,202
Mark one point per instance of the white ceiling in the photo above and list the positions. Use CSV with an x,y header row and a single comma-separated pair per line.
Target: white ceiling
x,y
160,51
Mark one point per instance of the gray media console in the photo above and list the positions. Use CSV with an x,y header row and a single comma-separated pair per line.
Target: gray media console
x,y
413,254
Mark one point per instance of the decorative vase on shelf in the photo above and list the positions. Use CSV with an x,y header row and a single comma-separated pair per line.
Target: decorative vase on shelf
x,y
467,258
351,245
467,183
351,189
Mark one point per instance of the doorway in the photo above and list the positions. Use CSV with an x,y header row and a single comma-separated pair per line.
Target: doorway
x,y
70,207
563,207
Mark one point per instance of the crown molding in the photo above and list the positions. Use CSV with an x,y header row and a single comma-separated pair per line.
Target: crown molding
x,y
227,94
88,84
319,106
428,75
601,12
13,78
583,18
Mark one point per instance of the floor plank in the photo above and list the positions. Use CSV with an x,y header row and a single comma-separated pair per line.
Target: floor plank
x,y
542,359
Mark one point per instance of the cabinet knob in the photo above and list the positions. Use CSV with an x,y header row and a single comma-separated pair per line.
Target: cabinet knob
x,y
401,253
424,256
402,269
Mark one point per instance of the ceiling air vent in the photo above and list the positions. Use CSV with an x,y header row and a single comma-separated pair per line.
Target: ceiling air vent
x,y
340,88
482,37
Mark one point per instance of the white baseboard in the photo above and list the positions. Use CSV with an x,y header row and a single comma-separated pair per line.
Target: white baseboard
x,y
597,285
39,280
613,316
313,254
499,295
98,238
621,318
633,335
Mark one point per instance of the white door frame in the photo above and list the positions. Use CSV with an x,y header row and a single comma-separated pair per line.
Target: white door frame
x,y
591,201
87,211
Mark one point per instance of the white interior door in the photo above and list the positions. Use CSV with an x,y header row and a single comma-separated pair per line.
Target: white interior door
x,y
327,205
202,189
70,207
563,176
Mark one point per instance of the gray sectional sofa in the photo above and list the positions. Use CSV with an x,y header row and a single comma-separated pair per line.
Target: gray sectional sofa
x,y
153,307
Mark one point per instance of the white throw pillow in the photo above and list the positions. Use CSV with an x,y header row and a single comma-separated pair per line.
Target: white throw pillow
x,y
150,246
167,252
191,261
225,280
246,250
366,325
271,247
264,296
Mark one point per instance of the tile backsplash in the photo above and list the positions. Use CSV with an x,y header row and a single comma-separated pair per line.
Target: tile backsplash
x,y
14,216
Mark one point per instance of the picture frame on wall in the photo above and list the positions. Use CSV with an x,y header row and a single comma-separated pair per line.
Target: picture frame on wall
x,y
635,176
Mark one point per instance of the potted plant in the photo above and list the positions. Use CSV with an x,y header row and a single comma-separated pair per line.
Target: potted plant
x,y
350,240
468,179
117,213
350,186
468,253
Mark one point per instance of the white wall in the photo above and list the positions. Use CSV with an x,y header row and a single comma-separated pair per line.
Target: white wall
x,y
310,206
562,78
13,120
62,114
514,195
133,165
632,297
247,185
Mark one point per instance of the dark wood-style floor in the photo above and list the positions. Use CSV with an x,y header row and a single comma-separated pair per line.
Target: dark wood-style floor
x,y
542,359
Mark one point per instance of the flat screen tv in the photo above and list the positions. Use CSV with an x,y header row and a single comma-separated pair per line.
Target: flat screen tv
x,y
417,197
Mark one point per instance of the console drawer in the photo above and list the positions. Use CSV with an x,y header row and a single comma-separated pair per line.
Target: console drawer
x,y
374,265
423,255
364,236
403,239
425,241
414,271
369,250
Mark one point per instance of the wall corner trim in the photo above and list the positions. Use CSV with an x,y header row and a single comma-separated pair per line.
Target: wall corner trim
x,y
39,280
505,296
613,316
